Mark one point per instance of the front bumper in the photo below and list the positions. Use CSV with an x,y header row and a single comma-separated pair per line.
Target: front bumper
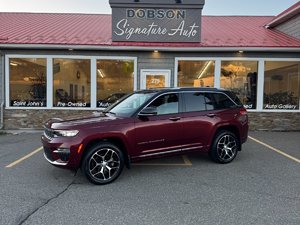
x,y
61,161
61,152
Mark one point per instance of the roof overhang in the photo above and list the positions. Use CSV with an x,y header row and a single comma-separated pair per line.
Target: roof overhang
x,y
145,48
284,17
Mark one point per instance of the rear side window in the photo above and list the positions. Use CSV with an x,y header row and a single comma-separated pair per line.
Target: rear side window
x,y
215,101
234,98
194,102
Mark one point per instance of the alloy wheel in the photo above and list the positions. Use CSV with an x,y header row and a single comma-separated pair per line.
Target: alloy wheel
x,y
104,164
226,148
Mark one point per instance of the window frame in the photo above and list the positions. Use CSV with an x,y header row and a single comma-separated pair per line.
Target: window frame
x,y
177,59
94,76
260,76
49,78
262,99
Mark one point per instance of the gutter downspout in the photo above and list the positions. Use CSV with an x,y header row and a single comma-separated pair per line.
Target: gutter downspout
x,y
1,109
2,94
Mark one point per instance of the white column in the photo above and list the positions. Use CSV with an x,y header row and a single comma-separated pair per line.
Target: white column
x,y
93,83
49,82
260,84
217,73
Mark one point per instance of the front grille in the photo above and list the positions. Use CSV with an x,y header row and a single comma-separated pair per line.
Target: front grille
x,y
48,153
49,133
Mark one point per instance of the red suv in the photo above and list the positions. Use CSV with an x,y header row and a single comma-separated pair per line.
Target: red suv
x,y
147,124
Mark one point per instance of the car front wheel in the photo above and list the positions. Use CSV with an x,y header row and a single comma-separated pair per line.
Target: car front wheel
x,y
225,147
103,163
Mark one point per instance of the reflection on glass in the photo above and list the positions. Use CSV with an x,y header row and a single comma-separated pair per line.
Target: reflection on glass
x,y
165,104
241,78
71,82
115,79
27,82
281,85
196,73
129,105
155,81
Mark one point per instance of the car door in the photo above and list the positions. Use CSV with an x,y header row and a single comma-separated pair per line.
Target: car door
x,y
198,120
155,134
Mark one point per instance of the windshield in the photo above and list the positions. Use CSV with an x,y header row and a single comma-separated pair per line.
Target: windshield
x,y
129,105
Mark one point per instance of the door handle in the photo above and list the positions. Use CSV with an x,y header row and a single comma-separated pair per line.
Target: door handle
x,y
211,115
175,118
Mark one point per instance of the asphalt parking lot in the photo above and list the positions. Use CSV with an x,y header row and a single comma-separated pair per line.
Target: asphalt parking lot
x,y
261,186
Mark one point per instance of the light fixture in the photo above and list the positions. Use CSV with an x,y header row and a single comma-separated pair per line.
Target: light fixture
x,y
100,73
70,49
155,51
241,51
13,64
204,69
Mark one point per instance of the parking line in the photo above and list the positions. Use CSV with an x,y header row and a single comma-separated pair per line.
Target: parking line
x,y
275,149
24,157
186,160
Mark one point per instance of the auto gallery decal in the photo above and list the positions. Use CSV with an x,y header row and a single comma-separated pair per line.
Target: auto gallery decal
x,y
281,106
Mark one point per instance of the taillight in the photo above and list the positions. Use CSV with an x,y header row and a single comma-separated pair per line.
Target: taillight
x,y
243,111
243,117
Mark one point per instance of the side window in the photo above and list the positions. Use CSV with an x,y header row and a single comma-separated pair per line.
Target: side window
x,y
194,102
166,104
217,101
210,102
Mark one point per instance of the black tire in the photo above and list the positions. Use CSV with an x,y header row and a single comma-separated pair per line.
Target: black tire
x,y
103,163
224,147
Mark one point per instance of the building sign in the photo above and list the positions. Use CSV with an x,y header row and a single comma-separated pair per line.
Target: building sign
x,y
149,21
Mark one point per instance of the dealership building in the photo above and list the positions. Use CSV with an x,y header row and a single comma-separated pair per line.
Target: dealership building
x,y
74,65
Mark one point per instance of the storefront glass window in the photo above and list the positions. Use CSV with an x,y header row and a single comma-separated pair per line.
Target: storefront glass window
x,y
241,78
115,79
196,73
27,82
281,85
71,82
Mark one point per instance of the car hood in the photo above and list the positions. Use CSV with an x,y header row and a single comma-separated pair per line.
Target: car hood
x,y
57,123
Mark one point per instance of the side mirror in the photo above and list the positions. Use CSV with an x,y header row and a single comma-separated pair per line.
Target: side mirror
x,y
149,111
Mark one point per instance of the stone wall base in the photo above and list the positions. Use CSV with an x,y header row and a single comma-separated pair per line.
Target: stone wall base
x,y
34,119
274,121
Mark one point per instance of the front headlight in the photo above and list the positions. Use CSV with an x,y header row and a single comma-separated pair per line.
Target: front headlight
x,y
65,133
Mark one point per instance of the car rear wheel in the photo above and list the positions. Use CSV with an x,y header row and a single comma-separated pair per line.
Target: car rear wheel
x,y
225,147
103,163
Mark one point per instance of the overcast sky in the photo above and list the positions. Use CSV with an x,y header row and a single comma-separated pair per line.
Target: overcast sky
x,y
212,7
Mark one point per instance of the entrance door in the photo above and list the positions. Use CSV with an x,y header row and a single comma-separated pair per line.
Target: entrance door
x,y
155,78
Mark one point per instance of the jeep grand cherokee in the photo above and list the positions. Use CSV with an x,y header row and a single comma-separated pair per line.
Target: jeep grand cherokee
x,y
147,124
